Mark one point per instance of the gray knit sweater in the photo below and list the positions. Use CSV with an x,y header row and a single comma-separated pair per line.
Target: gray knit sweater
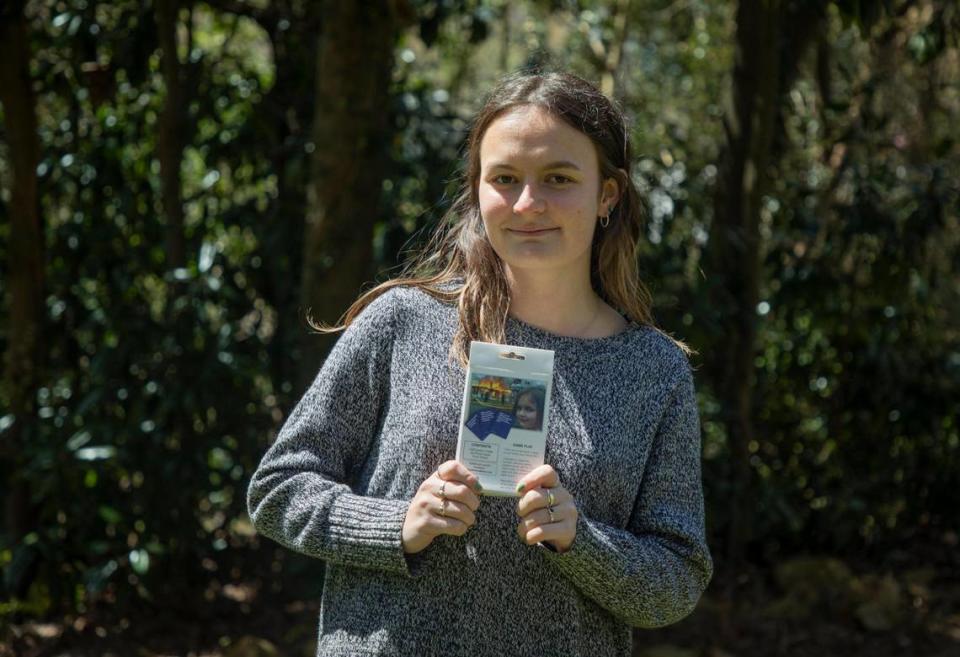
x,y
382,414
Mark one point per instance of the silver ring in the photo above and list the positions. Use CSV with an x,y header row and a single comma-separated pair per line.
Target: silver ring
x,y
442,493
550,511
443,508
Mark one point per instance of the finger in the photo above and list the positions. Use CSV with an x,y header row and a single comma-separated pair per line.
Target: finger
x,y
448,525
536,533
543,476
539,498
562,532
543,517
522,530
453,490
452,509
456,471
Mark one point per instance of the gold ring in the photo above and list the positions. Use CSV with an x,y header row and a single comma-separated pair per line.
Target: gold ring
x,y
442,493
551,498
443,508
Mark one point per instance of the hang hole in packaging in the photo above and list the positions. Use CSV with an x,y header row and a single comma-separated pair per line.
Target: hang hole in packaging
x,y
505,414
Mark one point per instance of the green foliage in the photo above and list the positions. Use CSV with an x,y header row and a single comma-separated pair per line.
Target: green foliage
x,y
158,402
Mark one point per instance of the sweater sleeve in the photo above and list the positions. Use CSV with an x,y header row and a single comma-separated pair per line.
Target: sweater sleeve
x,y
653,572
298,495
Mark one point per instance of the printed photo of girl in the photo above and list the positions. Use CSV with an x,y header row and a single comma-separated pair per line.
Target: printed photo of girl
x,y
528,409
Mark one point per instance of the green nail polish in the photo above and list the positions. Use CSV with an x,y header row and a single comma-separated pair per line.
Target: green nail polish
x,y
520,487
478,487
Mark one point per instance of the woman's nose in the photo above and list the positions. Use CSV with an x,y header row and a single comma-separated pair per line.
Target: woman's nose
x,y
529,201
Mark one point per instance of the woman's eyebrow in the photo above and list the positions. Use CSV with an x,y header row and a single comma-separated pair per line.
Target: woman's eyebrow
x,y
559,164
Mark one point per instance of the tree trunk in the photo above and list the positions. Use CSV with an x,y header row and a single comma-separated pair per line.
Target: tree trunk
x,y
170,138
610,80
351,137
291,97
733,257
23,361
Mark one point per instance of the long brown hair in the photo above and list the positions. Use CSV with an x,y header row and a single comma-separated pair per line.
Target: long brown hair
x,y
458,264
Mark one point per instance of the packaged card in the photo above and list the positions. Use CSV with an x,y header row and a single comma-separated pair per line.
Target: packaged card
x,y
506,409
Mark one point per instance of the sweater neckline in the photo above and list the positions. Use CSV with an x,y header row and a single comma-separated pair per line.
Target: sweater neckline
x,y
550,340
535,336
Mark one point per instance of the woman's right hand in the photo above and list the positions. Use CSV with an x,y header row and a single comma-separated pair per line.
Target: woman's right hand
x,y
444,504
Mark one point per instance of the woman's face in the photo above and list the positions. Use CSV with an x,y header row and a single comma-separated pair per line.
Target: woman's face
x,y
527,412
539,191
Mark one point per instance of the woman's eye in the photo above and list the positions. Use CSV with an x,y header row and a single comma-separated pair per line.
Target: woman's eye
x,y
562,180
502,179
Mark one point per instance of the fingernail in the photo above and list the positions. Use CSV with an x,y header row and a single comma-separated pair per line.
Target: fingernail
x,y
478,487
520,487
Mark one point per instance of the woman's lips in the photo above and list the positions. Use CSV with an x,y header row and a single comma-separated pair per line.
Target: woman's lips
x,y
532,231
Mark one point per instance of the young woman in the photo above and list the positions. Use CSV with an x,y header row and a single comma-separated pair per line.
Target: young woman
x,y
539,250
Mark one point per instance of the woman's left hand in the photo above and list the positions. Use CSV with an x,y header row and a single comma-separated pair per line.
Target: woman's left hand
x,y
546,509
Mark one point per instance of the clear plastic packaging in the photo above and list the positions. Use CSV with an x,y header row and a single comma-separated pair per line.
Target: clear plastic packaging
x,y
505,414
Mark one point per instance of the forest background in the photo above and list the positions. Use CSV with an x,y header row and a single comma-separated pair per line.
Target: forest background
x,y
182,181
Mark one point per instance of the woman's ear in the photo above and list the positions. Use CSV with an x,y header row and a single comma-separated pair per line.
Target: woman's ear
x,y
610,194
